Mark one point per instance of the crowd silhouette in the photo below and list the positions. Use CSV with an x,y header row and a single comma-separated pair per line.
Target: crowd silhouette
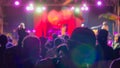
x,y
76,51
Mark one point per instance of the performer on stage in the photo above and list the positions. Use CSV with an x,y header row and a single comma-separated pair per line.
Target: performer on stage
x,y
21,33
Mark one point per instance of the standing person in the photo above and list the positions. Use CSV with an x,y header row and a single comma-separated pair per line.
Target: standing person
x,y
31,51
64,29
105,26
21,33
3,42
104,52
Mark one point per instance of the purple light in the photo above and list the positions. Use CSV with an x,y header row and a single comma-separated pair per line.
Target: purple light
x,y
82,25
34,31
115,33
110,43
44,8
86,8
31,4
82,8
84,5
27,8
30,7
72,8
17,3
28,31
99,3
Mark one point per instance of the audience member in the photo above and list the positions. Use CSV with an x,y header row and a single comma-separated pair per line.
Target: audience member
x,y
3,42
104,52
10,43
115,63
43,49
81,49
31,51
62,50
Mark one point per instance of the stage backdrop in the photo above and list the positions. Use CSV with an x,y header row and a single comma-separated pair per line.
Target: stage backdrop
x,y
51,22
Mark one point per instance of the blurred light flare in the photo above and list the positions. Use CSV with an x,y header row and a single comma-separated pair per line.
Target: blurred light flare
x,y
33,31
99,3
17,3
31,4
82,8
82,25
39,9
72,8
84,5
27,8
44,8
77,10
86,8
30,7
83,54
28,31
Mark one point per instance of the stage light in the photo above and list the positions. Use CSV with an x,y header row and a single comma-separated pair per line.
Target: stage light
x,y
86,8
39,9
99,3
44,8
84,5
27,8
77,10
33,31
82,25
17,3
30,7
72,8
28,31
82,8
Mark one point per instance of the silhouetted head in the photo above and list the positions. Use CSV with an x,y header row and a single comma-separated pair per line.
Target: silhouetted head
x,y
83,35
102,36
54,35
66,37
49,44
31,46
3,40
43,40
82,47
58,41
62,50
